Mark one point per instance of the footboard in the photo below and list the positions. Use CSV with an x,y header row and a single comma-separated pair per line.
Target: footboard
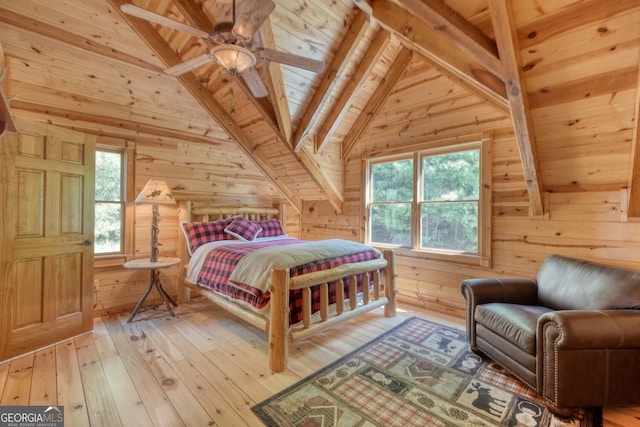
x,y
382,293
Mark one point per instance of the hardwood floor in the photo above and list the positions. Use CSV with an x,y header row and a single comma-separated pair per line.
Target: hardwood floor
x,y
201,368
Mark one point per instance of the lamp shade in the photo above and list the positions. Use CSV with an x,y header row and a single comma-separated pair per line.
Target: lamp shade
x,y
157,192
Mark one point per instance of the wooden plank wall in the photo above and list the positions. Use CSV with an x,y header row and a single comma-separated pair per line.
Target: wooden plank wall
x,y
587,225
193,170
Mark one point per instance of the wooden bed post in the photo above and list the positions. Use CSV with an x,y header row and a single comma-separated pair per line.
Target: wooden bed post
x,y
390,282
279,323
184,214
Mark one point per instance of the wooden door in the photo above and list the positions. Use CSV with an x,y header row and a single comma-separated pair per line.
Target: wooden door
x,y
47,191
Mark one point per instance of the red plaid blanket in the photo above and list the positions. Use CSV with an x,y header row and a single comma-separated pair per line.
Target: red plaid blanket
x,y
221,261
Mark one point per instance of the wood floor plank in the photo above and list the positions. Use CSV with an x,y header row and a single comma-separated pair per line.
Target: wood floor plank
x,y
4,372
44,390
224,403
100,404
18,385
175,391
154,368
130,405
69,385
142,374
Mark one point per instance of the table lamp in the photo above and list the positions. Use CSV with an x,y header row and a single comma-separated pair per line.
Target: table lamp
x,y
156,192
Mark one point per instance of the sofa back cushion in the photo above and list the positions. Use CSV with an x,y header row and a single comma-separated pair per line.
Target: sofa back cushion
x,y
572,284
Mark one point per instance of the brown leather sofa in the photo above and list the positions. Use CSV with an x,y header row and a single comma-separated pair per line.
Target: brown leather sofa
x,y
572,334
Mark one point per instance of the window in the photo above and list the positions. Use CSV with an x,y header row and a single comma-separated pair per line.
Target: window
x,y
110,202
431,203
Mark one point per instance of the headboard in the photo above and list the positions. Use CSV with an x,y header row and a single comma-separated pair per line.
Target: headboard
x,y
208,211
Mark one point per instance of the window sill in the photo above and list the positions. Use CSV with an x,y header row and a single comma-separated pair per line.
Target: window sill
x,y
108,261
458,258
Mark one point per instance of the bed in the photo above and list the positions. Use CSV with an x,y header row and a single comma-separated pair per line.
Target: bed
x,y
294,302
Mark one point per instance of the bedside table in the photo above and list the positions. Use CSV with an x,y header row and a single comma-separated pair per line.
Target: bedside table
x,y
145,264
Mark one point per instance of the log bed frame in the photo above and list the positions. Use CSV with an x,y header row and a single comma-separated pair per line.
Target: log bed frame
x,y
277,326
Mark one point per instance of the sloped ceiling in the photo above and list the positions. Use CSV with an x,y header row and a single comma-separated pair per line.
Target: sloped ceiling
x,y
565,73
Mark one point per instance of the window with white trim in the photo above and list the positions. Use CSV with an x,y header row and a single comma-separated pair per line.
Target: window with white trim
x,y
432,203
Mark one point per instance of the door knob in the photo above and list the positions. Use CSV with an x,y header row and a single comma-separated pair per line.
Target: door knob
x,y
87,242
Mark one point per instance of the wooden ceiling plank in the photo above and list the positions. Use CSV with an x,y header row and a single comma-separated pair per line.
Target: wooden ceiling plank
x,y
573,16
28,23
459,32
377,100
633,204
349,92
507,40
275,84
102,123
208,102
418,36
341,58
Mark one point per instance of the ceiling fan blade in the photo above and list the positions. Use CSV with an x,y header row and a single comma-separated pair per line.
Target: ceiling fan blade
x,y
189,65
250,14
290,59
254,82
147,15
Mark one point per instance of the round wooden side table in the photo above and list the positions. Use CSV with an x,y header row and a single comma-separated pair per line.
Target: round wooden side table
x,y
154,281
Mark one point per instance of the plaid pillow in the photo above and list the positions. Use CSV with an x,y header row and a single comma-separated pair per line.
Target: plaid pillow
x,y
243,229
270,228
199,233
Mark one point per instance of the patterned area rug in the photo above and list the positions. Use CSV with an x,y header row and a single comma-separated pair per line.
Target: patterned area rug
x,y
418,374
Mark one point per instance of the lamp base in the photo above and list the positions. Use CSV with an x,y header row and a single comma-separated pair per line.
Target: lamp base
x,y
154,232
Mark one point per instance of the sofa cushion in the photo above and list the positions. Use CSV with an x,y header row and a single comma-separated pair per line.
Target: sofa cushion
x,y
572,284
514,322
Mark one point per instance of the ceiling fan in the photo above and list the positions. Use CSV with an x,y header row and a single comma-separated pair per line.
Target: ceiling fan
x,y
231,44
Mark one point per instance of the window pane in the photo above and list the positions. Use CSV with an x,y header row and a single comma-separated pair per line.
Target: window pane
x,y
108,175
108,228
392,181
452,176
450,226
391,224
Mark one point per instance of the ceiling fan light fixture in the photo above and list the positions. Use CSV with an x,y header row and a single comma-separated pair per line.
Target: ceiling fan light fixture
x,y
234,59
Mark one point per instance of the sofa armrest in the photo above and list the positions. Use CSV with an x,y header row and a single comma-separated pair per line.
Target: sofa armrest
x,y
586,358
481,291
589,329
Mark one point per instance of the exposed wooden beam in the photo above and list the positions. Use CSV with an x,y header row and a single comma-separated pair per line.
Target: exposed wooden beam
x,y
588,87
572,16
349,92
275,85
209,103
633,205
345,51
507,40
419,36
458,31
377,100
28,23
334,195
194,15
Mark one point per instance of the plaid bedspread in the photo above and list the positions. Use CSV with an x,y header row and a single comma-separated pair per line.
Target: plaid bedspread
x,y
220,262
